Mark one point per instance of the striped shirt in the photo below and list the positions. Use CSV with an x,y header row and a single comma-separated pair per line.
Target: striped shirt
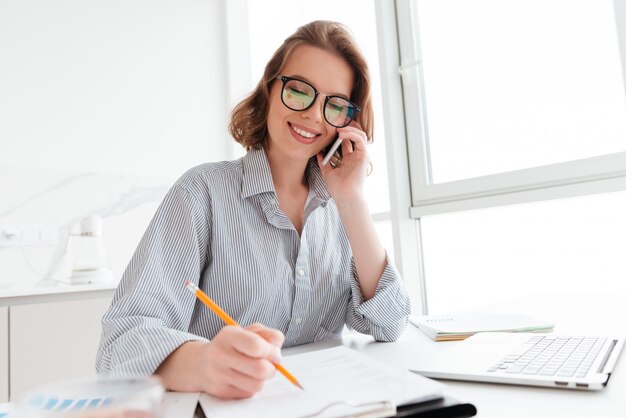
x,y
220,227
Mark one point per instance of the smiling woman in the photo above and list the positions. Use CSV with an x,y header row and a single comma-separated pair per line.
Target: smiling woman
x,y
274,219
269,23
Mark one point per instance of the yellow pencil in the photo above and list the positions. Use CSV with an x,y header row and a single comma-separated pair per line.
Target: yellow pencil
x,y
230,321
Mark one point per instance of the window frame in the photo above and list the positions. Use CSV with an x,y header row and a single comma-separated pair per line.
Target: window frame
x,y
411,190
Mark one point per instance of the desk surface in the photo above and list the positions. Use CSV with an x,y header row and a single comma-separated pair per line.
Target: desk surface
x,y
599,315
571,314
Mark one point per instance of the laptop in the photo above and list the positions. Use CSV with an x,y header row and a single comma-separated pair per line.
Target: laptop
x,y
552,360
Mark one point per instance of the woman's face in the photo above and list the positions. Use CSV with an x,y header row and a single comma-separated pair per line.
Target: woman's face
x,y
297,135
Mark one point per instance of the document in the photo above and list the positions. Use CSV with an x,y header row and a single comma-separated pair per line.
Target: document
x,y
337,382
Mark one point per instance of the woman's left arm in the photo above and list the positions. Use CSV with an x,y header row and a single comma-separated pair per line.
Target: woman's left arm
x,y
345,184
379,303
367,251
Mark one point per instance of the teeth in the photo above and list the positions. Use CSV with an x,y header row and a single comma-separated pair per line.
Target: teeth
x,y
303,133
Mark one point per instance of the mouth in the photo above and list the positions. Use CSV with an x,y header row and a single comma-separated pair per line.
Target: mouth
x,y
303,134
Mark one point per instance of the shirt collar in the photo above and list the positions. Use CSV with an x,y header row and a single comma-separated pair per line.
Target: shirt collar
x,y
257,177
316,181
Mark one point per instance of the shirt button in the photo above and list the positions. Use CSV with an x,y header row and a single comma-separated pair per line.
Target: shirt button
x,y
301,272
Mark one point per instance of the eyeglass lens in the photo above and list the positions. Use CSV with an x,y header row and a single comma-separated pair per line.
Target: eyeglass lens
x,y
298,95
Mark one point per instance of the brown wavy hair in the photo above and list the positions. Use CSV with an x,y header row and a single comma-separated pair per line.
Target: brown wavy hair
x,y
248,120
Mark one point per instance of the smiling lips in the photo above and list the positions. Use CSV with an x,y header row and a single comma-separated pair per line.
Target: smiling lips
x,y
303,135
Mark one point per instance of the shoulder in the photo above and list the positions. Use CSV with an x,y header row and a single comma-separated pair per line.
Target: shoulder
x,y
201,180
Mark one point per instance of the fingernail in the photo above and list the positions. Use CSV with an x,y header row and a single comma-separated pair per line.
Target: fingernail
x,y
278,358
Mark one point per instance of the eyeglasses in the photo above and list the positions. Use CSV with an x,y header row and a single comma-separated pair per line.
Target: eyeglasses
x,y
299,95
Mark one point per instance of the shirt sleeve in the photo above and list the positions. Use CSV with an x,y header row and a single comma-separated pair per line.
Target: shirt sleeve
x,y
151,309
385,315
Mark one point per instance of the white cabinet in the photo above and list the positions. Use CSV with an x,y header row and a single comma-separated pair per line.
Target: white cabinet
x,y
4,354
52,340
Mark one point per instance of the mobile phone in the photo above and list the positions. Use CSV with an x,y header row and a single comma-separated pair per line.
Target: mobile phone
x,y
333,148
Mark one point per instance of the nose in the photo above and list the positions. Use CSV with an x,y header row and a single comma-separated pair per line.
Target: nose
x,y
315,113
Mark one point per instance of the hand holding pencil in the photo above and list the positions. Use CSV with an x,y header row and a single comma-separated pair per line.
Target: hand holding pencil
x,y
266,333
234,365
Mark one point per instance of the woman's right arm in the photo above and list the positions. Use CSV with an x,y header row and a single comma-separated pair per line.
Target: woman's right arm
x,y
151,311
145,330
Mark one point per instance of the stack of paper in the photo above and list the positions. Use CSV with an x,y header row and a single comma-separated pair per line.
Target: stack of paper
x,y
337,382
460,326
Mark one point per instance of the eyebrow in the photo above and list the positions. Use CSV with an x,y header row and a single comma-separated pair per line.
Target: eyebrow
x,y
303,78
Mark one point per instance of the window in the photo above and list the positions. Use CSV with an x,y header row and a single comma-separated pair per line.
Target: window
x,y
551,247
519,84
508,106
532,147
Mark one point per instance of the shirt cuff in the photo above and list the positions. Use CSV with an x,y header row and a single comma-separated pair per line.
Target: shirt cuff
x,y
141,351
388,310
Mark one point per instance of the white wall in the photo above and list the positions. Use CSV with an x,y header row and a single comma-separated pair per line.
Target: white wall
x,y
103,104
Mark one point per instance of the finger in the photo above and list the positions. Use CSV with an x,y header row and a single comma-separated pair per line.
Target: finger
x,y
244,382
248,343
231,392
233,360
346,146
271,335
354,134
353,130
259,369
359,143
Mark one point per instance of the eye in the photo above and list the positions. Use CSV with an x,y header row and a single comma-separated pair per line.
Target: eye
x,y
296,90
299,88
335,107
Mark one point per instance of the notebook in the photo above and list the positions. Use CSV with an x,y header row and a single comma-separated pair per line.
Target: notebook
x,y
460,326
338,382
553,360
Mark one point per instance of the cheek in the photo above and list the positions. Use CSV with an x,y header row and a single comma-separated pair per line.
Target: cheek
x,y
274,119
328,141
277,111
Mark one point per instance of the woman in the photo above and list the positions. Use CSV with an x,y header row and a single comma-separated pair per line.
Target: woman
x,y
275,238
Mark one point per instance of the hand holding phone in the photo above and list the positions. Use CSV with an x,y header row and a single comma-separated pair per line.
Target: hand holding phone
x,y
332,150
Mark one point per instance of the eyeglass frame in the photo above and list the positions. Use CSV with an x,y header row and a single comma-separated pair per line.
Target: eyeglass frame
x,y
286,79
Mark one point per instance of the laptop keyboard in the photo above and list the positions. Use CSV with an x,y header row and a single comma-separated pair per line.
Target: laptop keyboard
x,y
553,356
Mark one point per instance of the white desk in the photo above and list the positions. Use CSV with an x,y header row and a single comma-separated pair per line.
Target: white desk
x,y
570,315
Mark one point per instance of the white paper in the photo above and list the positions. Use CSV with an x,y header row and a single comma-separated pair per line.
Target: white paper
x,y
179,404
331,375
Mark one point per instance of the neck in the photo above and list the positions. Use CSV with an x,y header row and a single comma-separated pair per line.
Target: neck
x,y
287,174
